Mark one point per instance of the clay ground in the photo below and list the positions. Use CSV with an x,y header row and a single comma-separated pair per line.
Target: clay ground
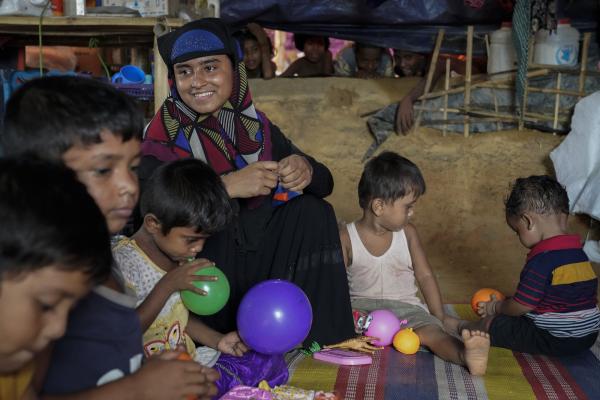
x,y
461,217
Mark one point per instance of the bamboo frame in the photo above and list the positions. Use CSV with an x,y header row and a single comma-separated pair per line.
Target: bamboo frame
x,y
557,101
446,87
468,74
430,72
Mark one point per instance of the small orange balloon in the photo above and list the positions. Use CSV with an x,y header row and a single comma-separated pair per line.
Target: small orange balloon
x,y
484,294
406,341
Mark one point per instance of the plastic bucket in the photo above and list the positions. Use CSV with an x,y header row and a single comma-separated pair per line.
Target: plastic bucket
x,y
502,56
557,48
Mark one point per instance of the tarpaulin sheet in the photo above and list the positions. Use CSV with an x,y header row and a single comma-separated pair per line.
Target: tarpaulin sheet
x,y
406,24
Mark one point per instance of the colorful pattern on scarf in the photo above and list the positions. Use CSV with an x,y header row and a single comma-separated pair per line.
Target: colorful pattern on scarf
x,y
238,136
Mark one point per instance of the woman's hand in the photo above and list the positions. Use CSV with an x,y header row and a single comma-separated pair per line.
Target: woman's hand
x,y
295,172
232,344
256,179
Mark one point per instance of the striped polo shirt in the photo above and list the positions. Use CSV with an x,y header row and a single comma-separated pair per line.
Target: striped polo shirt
x,y
558,282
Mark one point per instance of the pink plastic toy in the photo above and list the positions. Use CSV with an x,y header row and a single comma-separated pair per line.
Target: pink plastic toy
x,y
246,392
384,325
343,357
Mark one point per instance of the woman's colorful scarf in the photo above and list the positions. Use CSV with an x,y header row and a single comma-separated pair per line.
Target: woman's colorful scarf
x,y
238,136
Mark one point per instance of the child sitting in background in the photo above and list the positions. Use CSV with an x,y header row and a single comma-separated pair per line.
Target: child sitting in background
x,y
258,52
183,204
364,61
317,60
48,261
383,256
95,130
554,309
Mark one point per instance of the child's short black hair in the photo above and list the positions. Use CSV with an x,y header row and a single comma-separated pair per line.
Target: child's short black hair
x,y
47,116
49,219
187,193
389,176
540,194
301,38
245,34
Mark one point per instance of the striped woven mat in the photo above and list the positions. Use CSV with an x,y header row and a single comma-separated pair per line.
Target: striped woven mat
x,y
510,375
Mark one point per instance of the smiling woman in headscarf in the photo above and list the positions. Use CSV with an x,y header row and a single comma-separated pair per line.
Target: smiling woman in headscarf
x,y
284,228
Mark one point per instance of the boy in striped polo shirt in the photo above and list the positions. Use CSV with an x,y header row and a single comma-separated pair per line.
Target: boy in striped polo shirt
x,y
554,310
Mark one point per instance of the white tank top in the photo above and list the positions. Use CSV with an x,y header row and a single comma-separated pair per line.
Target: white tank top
x,y
389,276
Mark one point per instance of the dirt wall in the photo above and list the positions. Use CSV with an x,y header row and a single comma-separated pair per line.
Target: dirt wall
x,y
461,217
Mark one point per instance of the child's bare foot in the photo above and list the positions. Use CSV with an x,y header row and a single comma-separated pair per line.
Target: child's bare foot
x,y
477,348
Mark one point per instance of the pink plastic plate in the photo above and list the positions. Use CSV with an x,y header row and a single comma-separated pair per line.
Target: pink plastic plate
x,y
343,357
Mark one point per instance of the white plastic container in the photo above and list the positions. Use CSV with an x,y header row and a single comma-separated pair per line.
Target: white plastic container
x,y
502,56
557,48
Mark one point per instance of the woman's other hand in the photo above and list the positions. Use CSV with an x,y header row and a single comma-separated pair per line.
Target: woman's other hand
x,y
295,172
257,179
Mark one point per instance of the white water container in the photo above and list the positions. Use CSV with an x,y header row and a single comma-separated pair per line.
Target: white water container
x,y
557,48
502,56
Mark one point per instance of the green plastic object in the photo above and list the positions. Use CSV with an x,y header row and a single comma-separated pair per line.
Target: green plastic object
x,y
217,293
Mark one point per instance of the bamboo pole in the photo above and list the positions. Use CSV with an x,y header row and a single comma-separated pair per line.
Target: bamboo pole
x,y
446,88
161,84
584,58
461,89
537,90
526,89
556,102
468,77
430,72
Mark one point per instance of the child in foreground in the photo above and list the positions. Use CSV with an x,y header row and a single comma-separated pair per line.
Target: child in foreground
x,y
384,257
554,309
183,204
48,261
95,130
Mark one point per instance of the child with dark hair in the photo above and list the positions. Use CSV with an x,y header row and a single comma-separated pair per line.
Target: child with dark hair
x,y
364,61
554,309
48,261
384,257
317,59
258,51
184,203
96,130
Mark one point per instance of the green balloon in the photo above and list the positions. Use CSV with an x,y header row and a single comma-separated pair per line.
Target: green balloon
x,y
217,293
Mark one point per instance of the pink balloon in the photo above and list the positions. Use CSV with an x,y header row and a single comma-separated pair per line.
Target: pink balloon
x,y
384,325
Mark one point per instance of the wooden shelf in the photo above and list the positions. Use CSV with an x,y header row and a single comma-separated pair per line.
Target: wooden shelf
x,y
73,31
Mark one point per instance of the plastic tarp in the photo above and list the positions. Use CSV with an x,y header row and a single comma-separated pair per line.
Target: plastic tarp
x,y
577,159
406,24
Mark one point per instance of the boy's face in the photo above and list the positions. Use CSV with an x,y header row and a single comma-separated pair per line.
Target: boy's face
x,y
367,59
395,215
410,64
34,309
181,243
108,170
522,226
252,56
314,48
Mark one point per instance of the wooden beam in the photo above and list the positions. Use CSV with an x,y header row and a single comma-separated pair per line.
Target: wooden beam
x,y
468,77
430,72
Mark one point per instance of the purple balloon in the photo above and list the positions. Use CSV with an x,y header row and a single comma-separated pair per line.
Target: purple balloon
x,y
274,317
384,325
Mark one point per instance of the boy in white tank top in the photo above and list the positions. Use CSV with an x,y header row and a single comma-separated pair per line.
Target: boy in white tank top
x,y
384,257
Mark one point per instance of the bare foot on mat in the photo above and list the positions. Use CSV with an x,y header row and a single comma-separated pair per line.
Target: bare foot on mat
x,y
477,348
